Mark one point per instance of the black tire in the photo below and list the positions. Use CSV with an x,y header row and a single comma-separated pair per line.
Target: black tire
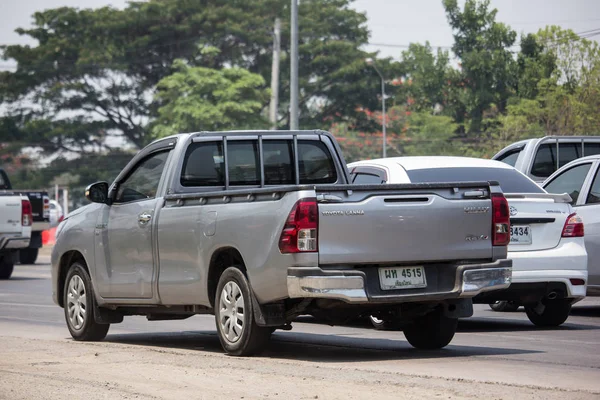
x,y
253,338
432,331
6,269
504,306
28,256
384,324
89,330
555,313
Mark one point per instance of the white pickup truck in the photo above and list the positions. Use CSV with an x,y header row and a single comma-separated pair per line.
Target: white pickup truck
x,y
16,220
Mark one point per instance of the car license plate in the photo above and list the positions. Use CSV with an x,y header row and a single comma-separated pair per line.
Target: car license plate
x,y
391,278
520,234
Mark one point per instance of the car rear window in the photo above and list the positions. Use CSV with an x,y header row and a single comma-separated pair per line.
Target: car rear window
x,y
511,181
204,163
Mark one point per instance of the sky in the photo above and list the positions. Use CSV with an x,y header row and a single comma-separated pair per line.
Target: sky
x,y
393,23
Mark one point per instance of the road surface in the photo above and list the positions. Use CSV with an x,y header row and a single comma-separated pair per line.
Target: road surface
x,y
493,356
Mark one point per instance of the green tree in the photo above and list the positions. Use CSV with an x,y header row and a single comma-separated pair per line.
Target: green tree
x,y
92,74
198,98
427,76
483,46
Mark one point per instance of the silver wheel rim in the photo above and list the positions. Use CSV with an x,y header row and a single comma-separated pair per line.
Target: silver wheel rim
x,y
76,302
231,312
376,320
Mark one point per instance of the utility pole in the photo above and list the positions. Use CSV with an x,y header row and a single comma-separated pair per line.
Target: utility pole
x,y
275,75
294,68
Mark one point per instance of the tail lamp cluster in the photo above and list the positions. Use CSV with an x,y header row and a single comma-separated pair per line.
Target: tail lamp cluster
x,y
300,232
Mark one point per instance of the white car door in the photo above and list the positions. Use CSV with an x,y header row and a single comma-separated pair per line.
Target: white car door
x,y
588,207
576,182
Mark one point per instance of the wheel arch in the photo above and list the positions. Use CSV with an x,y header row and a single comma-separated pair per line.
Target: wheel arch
x,y
220,260
66,260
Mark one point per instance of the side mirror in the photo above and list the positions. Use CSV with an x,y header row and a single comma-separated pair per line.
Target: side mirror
x,y
97,192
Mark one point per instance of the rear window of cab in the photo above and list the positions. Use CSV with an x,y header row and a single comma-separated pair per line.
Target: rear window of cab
x,y
204,163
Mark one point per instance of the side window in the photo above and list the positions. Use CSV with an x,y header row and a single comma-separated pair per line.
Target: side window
x,y
544,163
594,195
242,157
363,178
278,156
590,149
315,163
570,181
510,158
203,165
142,183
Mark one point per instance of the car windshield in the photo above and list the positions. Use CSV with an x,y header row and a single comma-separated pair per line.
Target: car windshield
x,y
511,181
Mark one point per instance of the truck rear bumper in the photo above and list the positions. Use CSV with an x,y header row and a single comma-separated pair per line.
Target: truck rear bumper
x,y
14,243
350,285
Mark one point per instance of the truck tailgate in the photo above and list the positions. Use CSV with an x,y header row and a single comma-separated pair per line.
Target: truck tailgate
x,y
10,206
405,223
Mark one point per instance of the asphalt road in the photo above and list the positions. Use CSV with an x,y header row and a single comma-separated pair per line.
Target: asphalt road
x,y
500,348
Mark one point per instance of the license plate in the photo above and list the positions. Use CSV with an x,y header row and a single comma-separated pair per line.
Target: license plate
x,y
520,234
392,278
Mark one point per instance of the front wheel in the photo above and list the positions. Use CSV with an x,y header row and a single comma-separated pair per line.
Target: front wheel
x,y
504,306
550,313
78,300
234,316
431,331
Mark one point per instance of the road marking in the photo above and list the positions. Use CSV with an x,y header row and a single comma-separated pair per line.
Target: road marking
x,y
28,305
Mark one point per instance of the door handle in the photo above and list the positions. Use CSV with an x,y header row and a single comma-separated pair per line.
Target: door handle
x,y
144,218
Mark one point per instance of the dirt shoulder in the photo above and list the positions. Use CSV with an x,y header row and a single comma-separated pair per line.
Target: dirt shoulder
x,y
57,369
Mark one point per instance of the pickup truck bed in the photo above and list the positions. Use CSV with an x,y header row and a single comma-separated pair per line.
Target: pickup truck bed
x,y
216,235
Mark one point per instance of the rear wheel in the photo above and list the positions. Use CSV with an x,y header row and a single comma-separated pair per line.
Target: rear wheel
x,y
6,267
549,313
78,300
504,306
432,331
234,315
28,256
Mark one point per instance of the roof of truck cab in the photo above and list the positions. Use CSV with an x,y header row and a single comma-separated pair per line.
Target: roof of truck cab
x,y
427,162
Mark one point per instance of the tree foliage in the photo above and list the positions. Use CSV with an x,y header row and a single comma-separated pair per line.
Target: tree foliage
x,y
198,98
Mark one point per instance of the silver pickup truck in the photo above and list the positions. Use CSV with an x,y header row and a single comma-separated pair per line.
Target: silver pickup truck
x,y
260,227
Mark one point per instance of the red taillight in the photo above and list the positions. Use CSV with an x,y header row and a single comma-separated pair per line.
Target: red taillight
x,y
573,226
500,220
26,213
577,282
299,234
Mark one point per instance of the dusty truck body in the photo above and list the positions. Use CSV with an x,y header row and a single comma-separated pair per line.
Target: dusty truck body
x,y
261,227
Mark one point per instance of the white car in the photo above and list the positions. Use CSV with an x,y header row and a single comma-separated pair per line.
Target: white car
x,y
581,180
546,246
56,213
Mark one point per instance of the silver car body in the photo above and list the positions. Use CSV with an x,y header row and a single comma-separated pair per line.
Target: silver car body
x,y
162,250
581,179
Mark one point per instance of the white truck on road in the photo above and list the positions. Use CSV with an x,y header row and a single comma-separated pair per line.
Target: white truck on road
x,y
16,220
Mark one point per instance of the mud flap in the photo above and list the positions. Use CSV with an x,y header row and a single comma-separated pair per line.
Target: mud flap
x,y
268,314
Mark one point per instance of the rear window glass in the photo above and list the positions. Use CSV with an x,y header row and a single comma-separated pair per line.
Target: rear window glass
x,y
204,163
510,158
511,181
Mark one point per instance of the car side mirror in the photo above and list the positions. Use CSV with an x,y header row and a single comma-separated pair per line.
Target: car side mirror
x,y
97,192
